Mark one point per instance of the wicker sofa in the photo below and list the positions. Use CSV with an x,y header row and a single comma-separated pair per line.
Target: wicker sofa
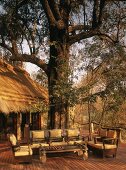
x,y
54,137
58,141
105,144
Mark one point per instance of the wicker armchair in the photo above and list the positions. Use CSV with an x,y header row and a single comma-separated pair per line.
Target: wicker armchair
x,y
104,145
20,153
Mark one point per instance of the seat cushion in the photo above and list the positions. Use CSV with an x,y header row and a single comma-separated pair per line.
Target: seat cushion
x,y
37,145
100,145
24,151
58,143
71,142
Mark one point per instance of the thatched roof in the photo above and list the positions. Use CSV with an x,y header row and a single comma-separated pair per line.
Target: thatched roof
x,y
18,92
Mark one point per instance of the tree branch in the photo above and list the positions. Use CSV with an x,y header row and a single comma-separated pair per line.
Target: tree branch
x,y
48,12
102,35
87,34
4,45
13,41
32,59
55,9
52,12
78,27
20,4
83,35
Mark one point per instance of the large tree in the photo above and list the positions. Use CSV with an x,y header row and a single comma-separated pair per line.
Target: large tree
x,y
65,22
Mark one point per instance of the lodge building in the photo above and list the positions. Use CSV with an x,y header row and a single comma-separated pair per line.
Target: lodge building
x,y
21,100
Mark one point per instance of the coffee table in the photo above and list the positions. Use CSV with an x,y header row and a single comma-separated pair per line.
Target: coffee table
x,y
80,149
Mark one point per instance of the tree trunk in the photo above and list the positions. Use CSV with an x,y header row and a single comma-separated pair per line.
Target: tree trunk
x,y
58,70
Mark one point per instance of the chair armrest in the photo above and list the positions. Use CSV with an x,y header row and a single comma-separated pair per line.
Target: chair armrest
x,y
111,141
29,146
96,139
108,139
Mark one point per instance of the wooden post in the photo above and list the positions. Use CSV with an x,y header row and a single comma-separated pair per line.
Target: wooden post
x,y
39,121
19,120
27,133
92,128
119,135
89,114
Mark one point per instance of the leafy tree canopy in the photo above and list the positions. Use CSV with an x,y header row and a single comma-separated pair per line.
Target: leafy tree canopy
x,y
59,24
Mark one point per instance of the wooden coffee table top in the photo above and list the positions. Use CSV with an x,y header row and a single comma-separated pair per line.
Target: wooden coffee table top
x,y
62,148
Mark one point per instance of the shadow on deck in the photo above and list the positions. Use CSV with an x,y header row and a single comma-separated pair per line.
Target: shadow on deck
x,y
66,162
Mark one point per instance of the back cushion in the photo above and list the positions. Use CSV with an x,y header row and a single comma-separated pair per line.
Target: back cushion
x,y
13,139
72,132
55,133
103,133
111,134
38,135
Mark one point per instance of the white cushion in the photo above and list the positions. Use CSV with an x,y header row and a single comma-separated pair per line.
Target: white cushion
x,y
78,141
100,145
38,134
24,151
72,132
56,133
12,139
58,143
37,145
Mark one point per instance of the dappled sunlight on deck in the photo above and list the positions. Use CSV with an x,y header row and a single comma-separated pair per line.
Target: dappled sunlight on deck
x,y
64,162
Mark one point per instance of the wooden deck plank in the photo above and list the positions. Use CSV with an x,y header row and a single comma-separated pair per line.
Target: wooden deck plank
x,y
67,162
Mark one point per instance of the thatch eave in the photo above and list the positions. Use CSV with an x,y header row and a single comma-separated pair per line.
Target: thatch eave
x,y
18,92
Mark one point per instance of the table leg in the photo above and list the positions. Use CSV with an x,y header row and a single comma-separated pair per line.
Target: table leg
x,y
43,157
85,155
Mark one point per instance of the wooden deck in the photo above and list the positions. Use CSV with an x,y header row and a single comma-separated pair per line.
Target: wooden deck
x,y
66,162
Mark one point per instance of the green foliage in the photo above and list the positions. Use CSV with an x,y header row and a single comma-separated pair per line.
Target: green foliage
x,y
30,22
23,22
39,107
41,78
